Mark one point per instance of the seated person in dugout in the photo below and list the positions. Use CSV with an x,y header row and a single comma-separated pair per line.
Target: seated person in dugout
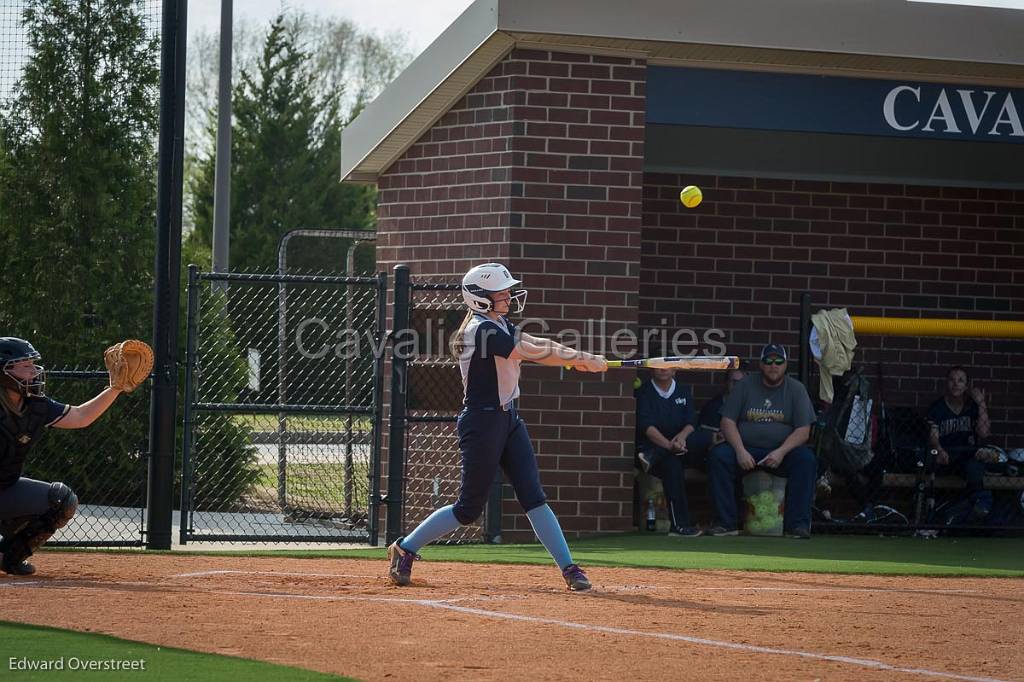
x,y
709,432
959,425
766,421
665,423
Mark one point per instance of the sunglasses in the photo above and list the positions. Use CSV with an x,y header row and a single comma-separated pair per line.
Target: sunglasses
x,y
774,361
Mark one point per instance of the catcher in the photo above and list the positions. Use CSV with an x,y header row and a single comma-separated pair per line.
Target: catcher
x,y
31,511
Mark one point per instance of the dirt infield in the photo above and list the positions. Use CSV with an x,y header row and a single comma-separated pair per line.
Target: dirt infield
x,y
486,622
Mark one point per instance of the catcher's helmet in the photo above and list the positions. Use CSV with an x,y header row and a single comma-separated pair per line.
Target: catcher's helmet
x,y
483,280
14,350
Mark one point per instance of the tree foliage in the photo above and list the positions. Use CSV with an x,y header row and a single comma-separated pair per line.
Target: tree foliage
x,y
77,185
289,104
77,212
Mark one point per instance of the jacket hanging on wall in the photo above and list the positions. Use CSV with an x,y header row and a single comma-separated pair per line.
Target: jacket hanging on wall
x,y
832,344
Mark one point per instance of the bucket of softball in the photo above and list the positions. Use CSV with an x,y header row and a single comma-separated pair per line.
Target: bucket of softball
x,y
765,498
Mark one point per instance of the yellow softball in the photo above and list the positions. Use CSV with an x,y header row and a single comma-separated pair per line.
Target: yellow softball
x,y
691,196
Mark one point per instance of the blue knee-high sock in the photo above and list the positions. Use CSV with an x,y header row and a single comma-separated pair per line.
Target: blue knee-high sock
x,y
438,524
545,525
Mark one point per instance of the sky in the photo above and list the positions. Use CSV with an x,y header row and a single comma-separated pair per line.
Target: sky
x,y
420,20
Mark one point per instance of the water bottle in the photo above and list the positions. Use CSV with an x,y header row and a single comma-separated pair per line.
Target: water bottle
x,y
652,514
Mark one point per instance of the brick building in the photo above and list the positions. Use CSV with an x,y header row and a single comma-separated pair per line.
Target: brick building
x,y
871,153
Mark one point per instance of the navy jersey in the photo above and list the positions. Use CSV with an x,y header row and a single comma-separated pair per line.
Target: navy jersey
x,y
18,433
489,377
668,415
955,430
711,414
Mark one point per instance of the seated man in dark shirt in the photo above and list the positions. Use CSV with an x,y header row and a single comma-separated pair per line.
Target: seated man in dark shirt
x,y
766,421
959,425
665,421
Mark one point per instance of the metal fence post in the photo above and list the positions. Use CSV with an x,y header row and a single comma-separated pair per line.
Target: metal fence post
x,y
167,264
190,368
805,338
399,387
380,334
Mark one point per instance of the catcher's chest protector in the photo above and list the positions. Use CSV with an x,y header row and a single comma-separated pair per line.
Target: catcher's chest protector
x,y
18,433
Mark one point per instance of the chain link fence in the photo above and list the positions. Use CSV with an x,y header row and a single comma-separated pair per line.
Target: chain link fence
x,y
881,470
282,409
105,464
433,466
15,45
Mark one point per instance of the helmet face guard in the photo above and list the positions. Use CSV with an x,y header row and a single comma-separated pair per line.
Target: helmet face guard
x,y
13,351
31,386
518,300
482,281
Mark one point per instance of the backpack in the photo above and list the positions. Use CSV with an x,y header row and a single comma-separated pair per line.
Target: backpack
x,y
845,443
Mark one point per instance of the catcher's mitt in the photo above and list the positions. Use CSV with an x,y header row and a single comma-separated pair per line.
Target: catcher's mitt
x,y
129,364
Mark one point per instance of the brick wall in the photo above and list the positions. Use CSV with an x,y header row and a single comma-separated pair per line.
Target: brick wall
x,y
740,260
540,166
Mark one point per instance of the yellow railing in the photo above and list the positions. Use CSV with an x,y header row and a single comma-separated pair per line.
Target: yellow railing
x,y
909,326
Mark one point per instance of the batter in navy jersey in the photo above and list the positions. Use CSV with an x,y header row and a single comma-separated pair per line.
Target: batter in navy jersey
x,y
31,511
491,434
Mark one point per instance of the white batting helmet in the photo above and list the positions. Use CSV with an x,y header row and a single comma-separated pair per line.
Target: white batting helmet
x,y
483,280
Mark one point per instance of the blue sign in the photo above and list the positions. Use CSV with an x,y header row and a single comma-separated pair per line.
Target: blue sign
x,y
830,104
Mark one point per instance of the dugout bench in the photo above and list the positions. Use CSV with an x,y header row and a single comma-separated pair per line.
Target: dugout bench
x,y
923,485
926,485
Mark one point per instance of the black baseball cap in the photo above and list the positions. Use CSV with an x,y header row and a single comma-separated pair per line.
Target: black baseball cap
x,y
771,349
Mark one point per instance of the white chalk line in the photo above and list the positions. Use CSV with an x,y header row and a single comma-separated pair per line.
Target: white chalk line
x,y
611,588
451,605
201,574
834,589
862,662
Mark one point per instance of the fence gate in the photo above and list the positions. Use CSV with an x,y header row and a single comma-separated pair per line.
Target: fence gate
x,y
425,423
282,408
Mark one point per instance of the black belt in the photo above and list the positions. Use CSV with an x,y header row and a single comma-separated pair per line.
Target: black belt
x,y
510,405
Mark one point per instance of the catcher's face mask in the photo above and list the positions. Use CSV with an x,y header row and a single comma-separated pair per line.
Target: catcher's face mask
x,y
28,377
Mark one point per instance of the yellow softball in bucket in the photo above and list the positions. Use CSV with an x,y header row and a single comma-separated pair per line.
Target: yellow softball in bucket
x,y
691,196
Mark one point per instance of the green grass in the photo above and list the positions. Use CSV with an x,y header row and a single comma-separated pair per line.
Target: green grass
x,y
38,644
316,484
269,422
821,554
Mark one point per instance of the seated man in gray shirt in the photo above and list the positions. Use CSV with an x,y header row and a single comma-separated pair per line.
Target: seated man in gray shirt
x,y
766,421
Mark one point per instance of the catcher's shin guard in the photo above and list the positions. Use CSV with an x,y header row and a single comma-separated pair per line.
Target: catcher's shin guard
x,y
24,535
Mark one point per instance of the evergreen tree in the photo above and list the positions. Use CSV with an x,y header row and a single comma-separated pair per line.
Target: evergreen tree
x,y
77,186
77,216
285,159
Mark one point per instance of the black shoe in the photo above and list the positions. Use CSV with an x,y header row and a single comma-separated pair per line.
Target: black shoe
x,y
23,568
865,515
799,532
720,531
685,532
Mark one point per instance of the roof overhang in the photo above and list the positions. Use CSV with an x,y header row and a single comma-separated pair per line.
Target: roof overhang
x,y
868,38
